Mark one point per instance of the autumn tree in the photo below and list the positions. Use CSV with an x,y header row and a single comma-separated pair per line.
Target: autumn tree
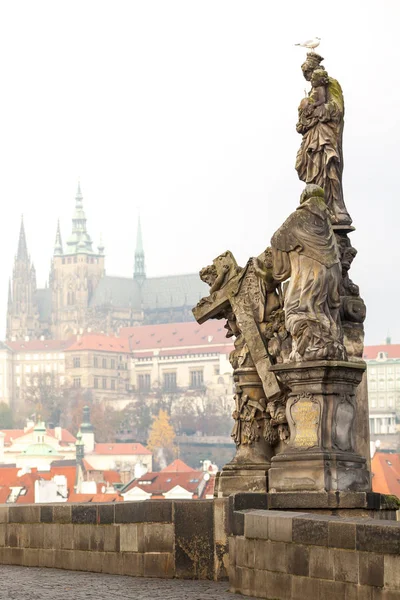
x,y
161,439
6,416
46,396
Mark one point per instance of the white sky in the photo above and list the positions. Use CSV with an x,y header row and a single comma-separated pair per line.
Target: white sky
x,y
186,110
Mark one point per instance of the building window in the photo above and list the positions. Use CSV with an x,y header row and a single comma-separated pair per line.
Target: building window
x,y
96,383
104,363
113,363
391,401
104,383
77,382
95,362
144,382
381,401
196,378
77,362
373,402
169,381
113,384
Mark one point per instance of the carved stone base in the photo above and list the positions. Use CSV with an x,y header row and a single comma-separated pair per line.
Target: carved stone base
x,y
319,471
234,479
321,415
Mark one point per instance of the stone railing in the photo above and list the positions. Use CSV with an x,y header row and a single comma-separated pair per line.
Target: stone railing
x,y
186,539
286,555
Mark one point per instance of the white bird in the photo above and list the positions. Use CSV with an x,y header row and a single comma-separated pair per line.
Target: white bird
x,y
310,43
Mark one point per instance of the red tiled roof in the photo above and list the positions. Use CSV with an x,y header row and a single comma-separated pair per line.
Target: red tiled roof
x,y
82,498
111,477
160,483
9,478
101,343
392,351
110,448
386,473
11,435
173,335
39,345
177,466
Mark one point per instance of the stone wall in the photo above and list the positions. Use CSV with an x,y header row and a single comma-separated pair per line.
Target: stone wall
x,y
286,555
186,539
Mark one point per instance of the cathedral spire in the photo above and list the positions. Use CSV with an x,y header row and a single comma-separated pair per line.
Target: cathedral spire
x,y
140,271
9,303
58,247
79,241
22,252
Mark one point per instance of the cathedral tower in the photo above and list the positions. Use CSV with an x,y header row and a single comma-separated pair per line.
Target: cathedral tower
x,y
139,273
22,311
75,273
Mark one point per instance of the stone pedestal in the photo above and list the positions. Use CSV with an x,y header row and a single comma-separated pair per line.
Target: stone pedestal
x,y
247,471
321,412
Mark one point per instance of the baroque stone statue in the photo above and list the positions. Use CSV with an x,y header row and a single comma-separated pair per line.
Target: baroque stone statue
x,y
320,122
304,249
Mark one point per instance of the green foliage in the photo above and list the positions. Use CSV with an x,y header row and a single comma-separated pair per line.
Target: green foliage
x,y
6,416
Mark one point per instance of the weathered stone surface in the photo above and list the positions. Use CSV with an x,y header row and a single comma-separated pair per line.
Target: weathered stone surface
x,y
36,536
346,565
82,513
129,534
378,536
371,569
256,524
133,564
51,536
3,514
112,538
82,535
280,526
97,539
298,560
158,564
194,538
156,511
321,563
392,572
342,535
105,513
158,537
310,531
28,513
46,514
303,587
271,556
245,552
331,590
66,536
62,513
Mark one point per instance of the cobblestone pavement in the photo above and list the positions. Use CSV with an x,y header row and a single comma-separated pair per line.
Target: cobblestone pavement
x,y
29,583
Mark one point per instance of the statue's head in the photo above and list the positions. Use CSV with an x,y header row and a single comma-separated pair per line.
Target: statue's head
x,y
319,77
208,274
312,62
312,191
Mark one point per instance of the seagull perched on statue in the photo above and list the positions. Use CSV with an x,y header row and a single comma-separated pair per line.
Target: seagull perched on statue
x,y
311,44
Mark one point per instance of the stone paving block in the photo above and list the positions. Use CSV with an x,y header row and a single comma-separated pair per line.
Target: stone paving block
x,y
321,563
303,588
346,565
67,537
256,524
46,514
112,538
133,564
298,559
271,556
82,513
47,557
51,536
342,535
129,537
280,526
12,535
112,563
62,513
332,590
382,537
105,513
36,536
158,564
24,514
278,585
371,570
194,538
392,571
310,531
82,537
97,539
158,537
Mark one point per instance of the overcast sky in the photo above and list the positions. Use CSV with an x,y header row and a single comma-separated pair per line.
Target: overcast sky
x,y
186,112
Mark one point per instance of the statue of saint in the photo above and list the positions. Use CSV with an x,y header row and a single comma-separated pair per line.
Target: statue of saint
x,y
305,250
321,118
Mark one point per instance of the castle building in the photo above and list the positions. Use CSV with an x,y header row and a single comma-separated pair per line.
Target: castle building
x,y
81,297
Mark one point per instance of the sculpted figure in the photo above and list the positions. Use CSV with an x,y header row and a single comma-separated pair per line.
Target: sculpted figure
x,y
321,118
305,250
270,290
